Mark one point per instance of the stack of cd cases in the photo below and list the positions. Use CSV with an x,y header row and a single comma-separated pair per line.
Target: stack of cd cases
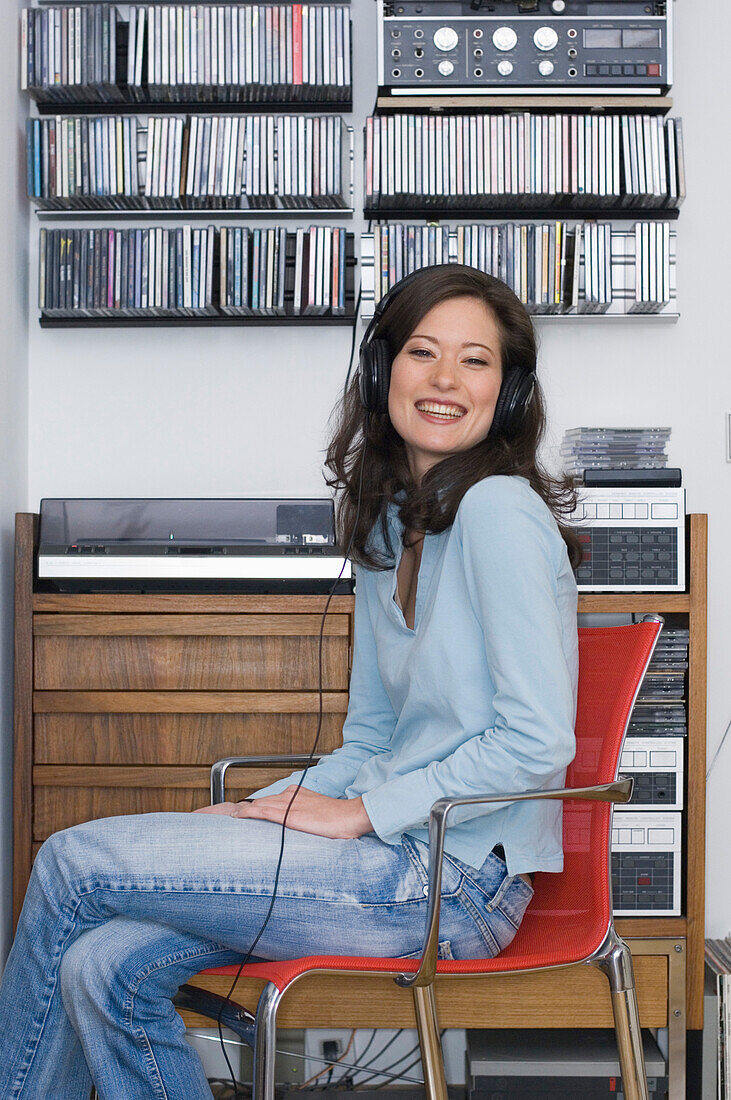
x,y
614,448
660,710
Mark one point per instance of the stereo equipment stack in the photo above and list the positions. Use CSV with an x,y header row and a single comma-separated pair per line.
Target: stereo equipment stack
x,y
448,47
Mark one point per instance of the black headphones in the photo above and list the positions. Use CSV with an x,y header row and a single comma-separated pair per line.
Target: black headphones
x,y
513,400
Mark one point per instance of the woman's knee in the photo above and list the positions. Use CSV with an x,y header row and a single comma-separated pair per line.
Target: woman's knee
x,y
88,973
70,854
101,970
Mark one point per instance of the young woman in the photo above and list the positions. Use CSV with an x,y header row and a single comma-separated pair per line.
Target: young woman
x,y
464,681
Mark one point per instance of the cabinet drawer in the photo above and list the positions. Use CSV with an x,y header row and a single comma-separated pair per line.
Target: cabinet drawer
x,y
178,738
66,796
189,652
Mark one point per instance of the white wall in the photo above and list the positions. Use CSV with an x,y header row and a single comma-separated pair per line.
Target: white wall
x,y
238,410
13,416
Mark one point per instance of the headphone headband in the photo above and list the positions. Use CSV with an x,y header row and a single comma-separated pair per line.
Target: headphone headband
x,y
384,303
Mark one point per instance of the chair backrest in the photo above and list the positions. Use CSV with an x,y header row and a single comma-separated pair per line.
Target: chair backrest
x,y
612,664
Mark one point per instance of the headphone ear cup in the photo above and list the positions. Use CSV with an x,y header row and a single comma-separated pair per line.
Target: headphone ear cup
x,y
513,401
375,376
366,374
381,374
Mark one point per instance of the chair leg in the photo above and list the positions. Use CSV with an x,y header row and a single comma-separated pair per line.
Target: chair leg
x,y
629,1041
265,1042
431,1048
616,962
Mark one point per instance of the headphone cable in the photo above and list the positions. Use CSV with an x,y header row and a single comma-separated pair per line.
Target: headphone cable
x,y
260,933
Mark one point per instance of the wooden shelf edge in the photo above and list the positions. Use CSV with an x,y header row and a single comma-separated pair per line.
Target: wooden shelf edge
x,y
650,927
187,603
188,702
639,601
169,777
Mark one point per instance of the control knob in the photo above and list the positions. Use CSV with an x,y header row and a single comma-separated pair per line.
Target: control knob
x,y
545,67
445,38
504,38
558,6
505,67
545,38
446,68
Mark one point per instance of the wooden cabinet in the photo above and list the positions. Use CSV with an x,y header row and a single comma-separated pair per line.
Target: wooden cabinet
x,y
123,702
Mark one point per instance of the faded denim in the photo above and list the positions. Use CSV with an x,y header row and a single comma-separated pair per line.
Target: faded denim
x,y
120,912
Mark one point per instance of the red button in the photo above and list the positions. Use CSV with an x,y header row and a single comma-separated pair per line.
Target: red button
x,y
653,70
644,880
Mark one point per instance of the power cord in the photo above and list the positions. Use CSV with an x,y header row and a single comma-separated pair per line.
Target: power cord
x,y
382,1051
355,1066
384,1071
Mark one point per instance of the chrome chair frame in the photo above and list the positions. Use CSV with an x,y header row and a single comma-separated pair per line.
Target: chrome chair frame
x,y
613,956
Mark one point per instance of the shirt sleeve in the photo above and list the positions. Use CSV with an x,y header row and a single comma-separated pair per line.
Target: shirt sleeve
x,y
370,720
510,547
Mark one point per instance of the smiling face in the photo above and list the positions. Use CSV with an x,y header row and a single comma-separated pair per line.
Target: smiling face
x,y
445,382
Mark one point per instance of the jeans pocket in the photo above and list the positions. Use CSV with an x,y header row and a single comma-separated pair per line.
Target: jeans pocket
x,y
515,900
452,874
444,951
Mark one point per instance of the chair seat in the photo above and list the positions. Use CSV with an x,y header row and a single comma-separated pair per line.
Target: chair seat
x,y
537,944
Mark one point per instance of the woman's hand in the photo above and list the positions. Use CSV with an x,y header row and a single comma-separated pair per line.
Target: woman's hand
x,y
336,818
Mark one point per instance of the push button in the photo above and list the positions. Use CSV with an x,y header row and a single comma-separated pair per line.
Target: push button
x,y
628,70
661,836
664,511
590,70
653,70
664,759
603,70
616,70
641,70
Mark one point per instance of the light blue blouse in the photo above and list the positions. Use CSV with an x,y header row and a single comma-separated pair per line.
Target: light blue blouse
x,y
480,697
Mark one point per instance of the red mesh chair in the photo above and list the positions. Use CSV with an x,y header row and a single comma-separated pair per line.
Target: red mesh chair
x,y
569,921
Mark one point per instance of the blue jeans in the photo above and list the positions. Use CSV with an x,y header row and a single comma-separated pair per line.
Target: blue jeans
x,y
120,912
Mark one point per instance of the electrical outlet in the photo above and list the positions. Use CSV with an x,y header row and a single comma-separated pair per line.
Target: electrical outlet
x,y
315,1040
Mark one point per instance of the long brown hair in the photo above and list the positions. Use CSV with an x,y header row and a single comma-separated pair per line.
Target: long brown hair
x,y
432,505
